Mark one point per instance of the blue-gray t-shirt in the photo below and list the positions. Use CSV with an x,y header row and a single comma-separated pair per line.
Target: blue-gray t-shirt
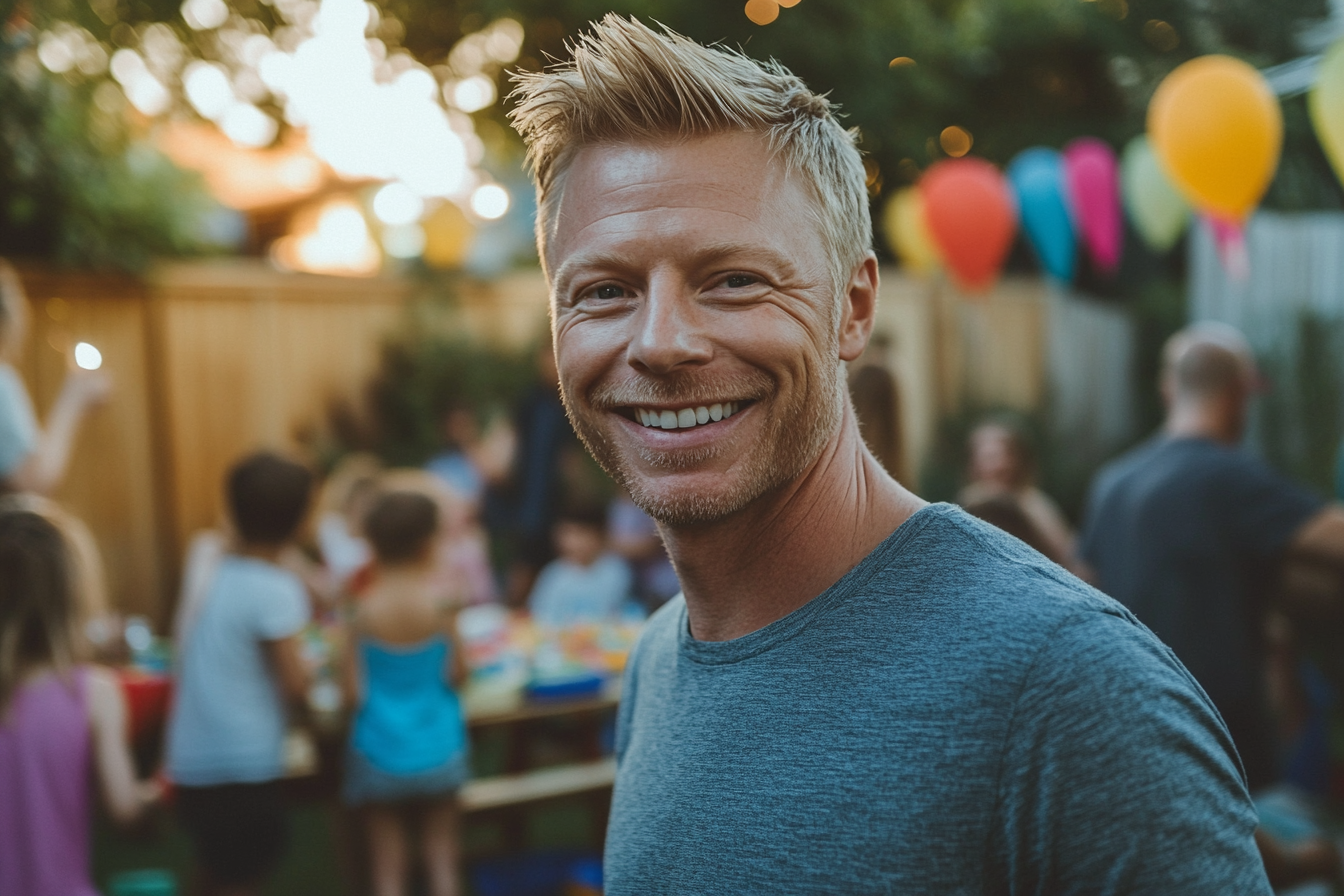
x,y
955,715
1188,534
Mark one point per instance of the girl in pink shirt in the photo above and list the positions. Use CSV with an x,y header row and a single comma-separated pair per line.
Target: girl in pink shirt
x,y
62,723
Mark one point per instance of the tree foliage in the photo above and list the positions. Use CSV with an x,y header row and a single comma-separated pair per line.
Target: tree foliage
x,y
1013,73
77,184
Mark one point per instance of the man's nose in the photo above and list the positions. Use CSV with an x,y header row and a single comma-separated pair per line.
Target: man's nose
x,y
670,328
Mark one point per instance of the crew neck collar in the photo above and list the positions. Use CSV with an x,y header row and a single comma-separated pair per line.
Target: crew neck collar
x,y
781,630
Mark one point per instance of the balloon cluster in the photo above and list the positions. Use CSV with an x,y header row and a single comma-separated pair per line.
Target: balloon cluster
x,y
1215,131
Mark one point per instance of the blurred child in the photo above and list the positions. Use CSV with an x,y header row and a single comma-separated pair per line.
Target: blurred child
x,y
61,722
240,663
408,745
344,500
461,568
585,582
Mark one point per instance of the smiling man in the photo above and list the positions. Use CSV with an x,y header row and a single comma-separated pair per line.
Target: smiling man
x,y
858,692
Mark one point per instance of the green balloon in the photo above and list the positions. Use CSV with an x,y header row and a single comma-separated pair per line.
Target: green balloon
x,y
1157,210
1325,102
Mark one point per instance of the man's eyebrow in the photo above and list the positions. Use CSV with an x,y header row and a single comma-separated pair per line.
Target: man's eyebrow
x,y
704,255
575,263
716,252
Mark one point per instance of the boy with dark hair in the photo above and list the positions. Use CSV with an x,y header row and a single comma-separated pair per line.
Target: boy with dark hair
x,y
239,666
586,582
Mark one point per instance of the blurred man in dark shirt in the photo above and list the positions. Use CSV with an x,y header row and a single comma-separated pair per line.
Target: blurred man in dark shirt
x,y
1192,534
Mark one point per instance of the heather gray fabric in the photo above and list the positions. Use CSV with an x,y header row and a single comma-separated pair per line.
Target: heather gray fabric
x,y
955,715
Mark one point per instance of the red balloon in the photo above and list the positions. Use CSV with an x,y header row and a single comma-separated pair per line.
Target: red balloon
x,y
972,216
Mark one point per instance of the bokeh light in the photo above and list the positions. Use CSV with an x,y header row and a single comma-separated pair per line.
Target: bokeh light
x,y
321,92
1160,35
338,241
88,357
955,141
473,94
397,204
204,15
762,12
490,201
247,125
145,92
207,88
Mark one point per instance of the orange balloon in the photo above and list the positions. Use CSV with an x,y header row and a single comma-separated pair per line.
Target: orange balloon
x,y
1217,128
972,215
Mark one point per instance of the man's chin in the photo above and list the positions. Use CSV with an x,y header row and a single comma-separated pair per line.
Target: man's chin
x,y
689,500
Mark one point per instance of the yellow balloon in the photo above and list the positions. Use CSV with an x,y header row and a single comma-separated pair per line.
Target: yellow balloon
x,y
1217,128
1325,102
908,232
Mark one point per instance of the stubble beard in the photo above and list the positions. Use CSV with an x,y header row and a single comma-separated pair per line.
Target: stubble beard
x,y
792,438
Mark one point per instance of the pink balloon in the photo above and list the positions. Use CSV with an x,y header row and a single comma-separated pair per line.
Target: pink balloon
x,y
1091,171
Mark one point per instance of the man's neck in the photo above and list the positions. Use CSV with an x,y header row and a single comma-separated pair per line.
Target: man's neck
x,y
742,573
1200,422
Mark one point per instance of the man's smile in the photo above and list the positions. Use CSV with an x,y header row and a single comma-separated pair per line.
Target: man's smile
x,y
684,417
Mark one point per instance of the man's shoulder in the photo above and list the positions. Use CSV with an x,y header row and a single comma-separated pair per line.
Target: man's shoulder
x,y
1135,459
964,563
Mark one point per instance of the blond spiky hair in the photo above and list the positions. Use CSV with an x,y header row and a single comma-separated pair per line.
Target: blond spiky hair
x,y
627,83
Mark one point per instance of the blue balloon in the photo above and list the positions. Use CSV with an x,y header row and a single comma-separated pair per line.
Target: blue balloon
x,y
1037,177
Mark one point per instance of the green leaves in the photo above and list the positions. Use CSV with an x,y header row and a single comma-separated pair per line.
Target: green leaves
x,y
78,187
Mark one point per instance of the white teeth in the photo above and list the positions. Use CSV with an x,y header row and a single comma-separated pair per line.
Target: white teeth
x,y
686,417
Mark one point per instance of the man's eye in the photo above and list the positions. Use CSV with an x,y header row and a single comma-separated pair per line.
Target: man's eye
x,y
608,291
738,281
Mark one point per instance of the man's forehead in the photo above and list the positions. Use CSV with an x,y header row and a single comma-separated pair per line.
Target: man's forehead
x,y
740,164
610,186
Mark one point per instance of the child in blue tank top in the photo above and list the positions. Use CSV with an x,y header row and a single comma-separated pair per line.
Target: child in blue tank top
x,y
408,740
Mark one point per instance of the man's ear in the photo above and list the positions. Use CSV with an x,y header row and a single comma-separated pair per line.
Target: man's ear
x,y
858,310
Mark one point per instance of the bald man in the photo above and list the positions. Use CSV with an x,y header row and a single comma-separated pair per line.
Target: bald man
x,y
1192,533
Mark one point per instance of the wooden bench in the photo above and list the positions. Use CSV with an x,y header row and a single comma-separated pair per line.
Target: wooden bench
x,y
503,791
